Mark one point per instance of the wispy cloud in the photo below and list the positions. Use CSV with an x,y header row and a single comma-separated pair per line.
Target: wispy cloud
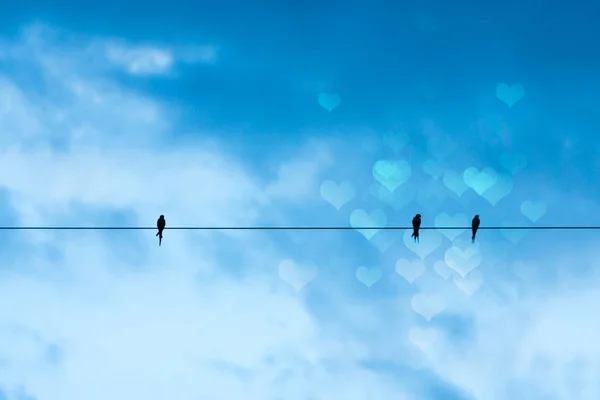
x,y
156,60
175,323
53,49
140,60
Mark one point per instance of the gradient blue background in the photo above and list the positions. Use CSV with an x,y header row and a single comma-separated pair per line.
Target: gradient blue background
x,y
242,140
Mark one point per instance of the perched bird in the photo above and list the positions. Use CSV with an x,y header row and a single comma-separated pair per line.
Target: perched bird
x,y
416,222
474,226
160,224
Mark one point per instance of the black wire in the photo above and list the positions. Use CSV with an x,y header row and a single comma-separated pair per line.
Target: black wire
x,y
289,228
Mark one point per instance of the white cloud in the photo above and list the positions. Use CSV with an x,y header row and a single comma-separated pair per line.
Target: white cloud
x,y
531,344
155,60
58,51
140,60
298,178
175,322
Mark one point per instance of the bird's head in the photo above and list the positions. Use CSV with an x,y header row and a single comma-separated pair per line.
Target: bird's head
x,y
418,215
162,217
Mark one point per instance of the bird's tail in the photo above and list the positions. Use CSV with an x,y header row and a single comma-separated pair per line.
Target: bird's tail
x,y
158,234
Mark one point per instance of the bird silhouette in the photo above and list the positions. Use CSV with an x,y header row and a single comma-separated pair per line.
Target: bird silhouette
x,y
416,223
160,224
474,226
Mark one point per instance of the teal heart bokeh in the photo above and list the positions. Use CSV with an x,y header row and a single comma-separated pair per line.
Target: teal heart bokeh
x,y
330,101
384,169
384,240
397,199
453,181
434,168
338,195
513,163
443,270
430,241
501,189
428,306
410,270
510,95
423,339
462,261
445,220
392,173
513,235
361,219
480,181
297,275
368,276
533,210
466,245
470,283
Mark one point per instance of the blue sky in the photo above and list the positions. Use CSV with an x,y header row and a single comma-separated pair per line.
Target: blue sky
x,y
210,115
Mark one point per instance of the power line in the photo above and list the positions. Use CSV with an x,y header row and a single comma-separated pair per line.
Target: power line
x,y
289,228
